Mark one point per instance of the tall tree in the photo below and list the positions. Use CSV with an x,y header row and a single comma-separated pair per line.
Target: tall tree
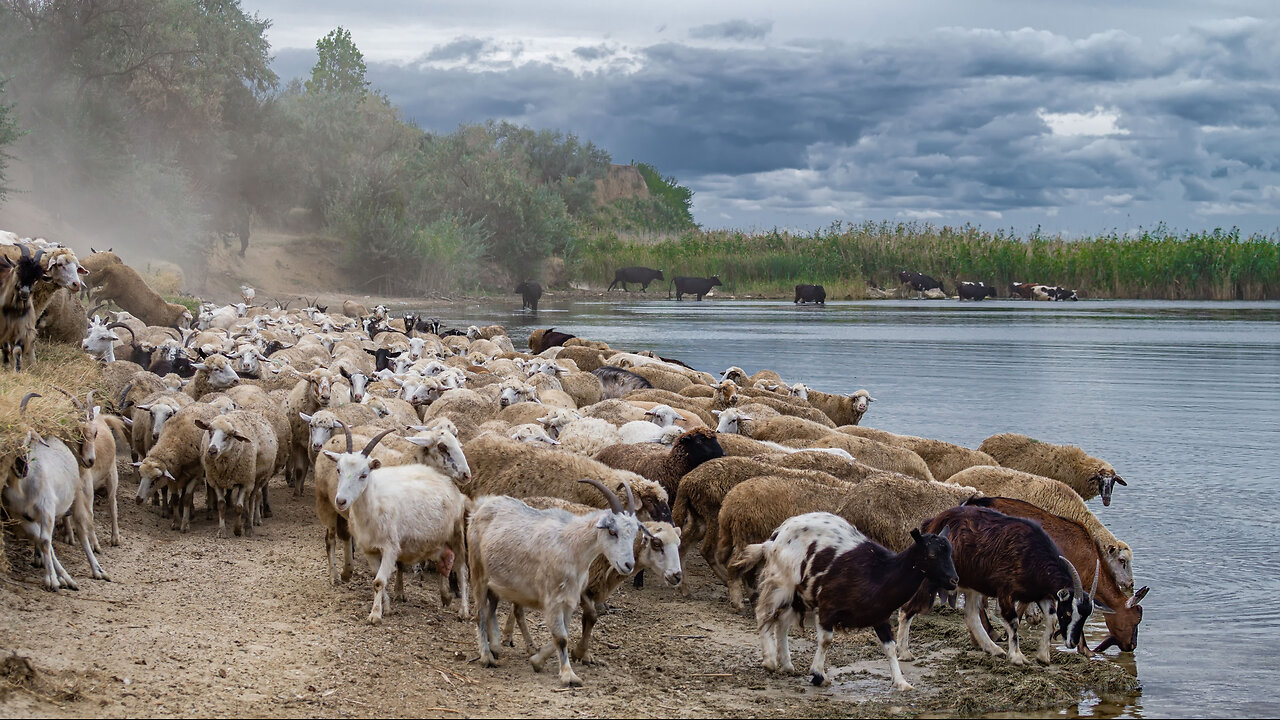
x,y
8,134
339,65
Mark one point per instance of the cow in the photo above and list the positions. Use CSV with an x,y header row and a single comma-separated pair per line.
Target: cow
x,y
1021,290
918,281
1058,293
694,286
975,291
811,293
635,274
529,292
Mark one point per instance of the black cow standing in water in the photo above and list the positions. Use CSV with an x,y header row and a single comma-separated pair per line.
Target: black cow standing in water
x,y
918,281
529,292
974,290
811,293
694,286
642,275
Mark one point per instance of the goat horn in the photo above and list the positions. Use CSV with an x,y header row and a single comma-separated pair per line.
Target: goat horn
x,y
79,405
1077,586
631,499
346,430
22,406
374,442
124,394
97,307
88,404
614,504
132,337
24,251
1097,573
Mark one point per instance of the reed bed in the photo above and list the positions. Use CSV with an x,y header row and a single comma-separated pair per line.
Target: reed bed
x,y
849,259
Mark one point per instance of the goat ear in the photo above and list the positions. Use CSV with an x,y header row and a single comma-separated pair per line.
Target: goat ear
x,y
1064,595
375,463
915,534
331,455
202,424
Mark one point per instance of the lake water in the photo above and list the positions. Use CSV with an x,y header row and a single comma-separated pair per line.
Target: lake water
x,y
1183,398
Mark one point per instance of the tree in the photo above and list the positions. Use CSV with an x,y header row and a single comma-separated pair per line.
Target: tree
x,y
339,65
8,135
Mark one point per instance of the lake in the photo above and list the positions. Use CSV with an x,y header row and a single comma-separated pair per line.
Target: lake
x,y
1181,397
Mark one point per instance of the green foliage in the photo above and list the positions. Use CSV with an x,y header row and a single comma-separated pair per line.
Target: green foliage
x,y
677,199
9,134
1157,263
339,65
558,161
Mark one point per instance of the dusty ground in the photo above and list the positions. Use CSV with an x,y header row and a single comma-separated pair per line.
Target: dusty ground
x,y
252,626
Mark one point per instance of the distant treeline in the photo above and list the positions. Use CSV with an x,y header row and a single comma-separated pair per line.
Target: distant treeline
x,y
157,123
850,259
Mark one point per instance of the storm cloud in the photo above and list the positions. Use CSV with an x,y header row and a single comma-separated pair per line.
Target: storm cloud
x,y
1021,126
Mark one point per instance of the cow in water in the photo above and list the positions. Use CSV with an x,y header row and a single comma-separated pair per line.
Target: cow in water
x,y
529,293
918,281
694,286
975,290
810,293
642,275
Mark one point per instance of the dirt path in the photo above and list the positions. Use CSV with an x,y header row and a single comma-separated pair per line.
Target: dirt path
x,y
191,624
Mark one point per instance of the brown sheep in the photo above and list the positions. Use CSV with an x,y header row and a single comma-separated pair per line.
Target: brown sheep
x,y
501,466
662,379
842,409
123,285
587,359
1087,475
876,454
943,458
64,319
583,387
691,449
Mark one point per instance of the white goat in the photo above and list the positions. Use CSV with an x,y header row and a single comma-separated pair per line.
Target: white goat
x,y
539,559
402,515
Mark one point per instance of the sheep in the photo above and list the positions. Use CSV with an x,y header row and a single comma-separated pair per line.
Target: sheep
x,y
818,563
216,373
943,458
64,319
657,549
313,391
503,466
884,506
149,418
702,491
525,412
238,458
41,485
325,421
402,515
531,433
123,285
397,411
698,407
876,454
1087,475
540,559
662,379
588,436
842,409
643,431
587,359
692,449
175,461
1058,498
271,406
353,309
774,429
466,408
488,332
617,412
584,387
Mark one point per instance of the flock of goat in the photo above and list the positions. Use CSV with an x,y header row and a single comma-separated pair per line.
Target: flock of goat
x,y
546,478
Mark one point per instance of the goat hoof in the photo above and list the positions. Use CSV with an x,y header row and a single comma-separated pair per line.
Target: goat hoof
x,y
1043,659
818,680
488,661
1018,660
905,656
571,680
903,686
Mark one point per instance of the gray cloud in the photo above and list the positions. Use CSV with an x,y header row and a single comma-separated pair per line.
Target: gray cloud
x,y
733,30
950,124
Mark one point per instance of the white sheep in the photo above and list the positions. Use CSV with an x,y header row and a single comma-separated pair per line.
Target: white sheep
x,y
238,457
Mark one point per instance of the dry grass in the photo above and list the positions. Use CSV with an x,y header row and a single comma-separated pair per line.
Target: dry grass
x,y
62,365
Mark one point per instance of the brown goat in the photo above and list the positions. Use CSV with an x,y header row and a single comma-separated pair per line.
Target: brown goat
x,y
123,285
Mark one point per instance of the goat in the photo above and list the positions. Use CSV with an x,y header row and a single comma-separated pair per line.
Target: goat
x,y
539,559
819,563
1015,561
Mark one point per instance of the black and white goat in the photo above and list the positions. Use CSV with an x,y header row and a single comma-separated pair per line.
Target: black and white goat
x,y
819,563
1013,560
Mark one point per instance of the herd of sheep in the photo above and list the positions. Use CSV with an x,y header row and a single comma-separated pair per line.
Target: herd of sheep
x,y
545,478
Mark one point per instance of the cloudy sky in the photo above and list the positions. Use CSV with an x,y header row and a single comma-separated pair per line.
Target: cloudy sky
x,y
1081,117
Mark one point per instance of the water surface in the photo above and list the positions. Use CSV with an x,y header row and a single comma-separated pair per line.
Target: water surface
x,y
1181,397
